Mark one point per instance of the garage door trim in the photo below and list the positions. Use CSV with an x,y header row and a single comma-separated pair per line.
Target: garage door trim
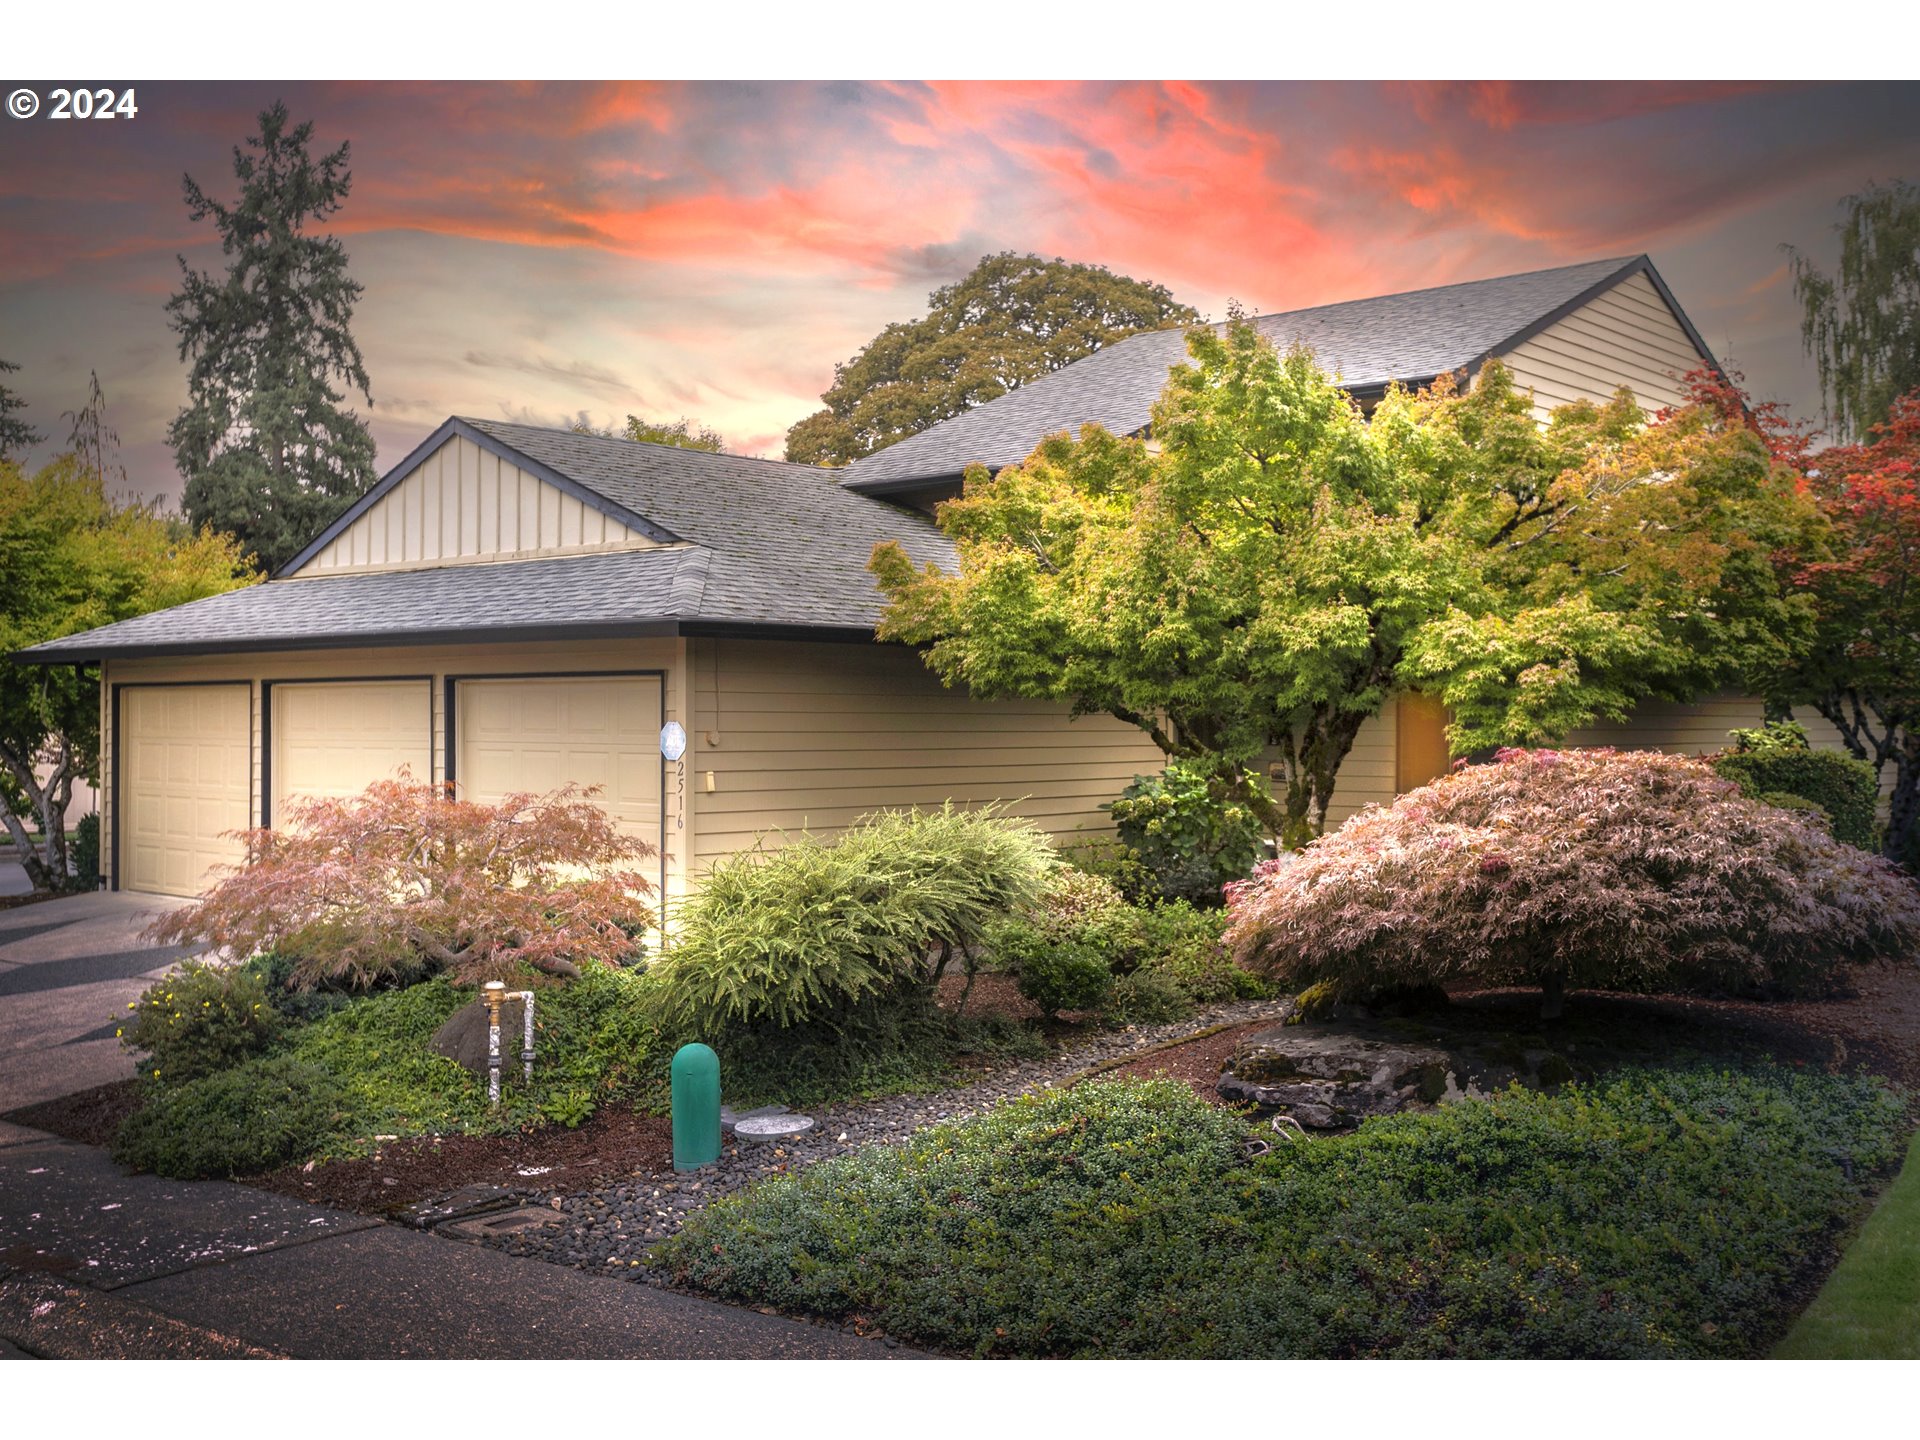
x,y
451,711
266,722
120,753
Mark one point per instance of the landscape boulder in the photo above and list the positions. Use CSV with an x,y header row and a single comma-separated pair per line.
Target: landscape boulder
x,y
1330,1080
463,1038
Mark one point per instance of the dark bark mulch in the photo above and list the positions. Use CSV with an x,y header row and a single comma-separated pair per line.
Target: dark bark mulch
x,y
89,1116
610,1144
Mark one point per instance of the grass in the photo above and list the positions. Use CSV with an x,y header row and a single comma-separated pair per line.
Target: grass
x,y
1869,1308
1655,1214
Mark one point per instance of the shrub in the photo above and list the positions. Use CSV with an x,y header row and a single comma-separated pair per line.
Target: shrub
x,y
1075,902
1657,1214
200,1019
1146,997
1180,945
297,1003
1778,761
242,1121
404,878
86,851
1191,838
799,934
1589,868
1056,975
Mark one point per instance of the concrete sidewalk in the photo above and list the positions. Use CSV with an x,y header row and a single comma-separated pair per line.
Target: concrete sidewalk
x,y
68,967
97,1263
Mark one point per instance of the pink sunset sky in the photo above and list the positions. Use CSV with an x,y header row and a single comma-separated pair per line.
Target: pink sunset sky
x,y
712,249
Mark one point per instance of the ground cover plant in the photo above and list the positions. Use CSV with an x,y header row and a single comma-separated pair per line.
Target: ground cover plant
x,y
1569,869
404,879
1655,1214
365,1069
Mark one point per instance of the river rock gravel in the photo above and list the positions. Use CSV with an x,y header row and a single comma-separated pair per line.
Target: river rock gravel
x,y
610,1230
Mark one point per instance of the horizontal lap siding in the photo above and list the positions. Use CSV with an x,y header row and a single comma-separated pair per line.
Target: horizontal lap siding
x,y
1696,729
1627,336
811,737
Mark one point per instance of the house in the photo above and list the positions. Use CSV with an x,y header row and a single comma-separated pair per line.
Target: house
x,y
511,608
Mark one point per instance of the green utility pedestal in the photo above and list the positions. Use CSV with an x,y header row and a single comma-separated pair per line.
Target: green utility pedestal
x,y
696,1107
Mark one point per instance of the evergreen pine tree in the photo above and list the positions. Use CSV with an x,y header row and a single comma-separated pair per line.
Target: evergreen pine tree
x,y
266,446
16,436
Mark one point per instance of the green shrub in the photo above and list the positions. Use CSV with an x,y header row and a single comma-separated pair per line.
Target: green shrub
x,y
1187,834
1056,975
1657,1214
800,934
256,1116
200,1019
1778,761
86,851
1145,997
1180,945
299,1004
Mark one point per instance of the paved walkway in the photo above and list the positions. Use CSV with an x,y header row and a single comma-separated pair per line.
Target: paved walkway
x,y
68,969
97,1263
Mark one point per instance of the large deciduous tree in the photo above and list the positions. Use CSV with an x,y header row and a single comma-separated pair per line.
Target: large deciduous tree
x,y
1279,567
1862,324
1013,319
268,449
1862,667
71,559
682,434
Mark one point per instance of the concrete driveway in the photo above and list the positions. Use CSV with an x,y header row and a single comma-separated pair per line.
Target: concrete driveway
x,y
68,967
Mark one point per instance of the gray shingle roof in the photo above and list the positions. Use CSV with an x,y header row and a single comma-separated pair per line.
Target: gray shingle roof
x,y
760,543
1409,337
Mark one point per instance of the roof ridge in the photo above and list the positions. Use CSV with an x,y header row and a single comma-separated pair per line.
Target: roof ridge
x,y
1618,263
689,588
654,445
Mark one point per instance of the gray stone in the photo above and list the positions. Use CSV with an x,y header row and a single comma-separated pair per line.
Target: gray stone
x,y
729,1117
463,1038
1329,1080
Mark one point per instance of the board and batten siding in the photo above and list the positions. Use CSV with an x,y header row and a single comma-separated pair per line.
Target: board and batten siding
x,y
810,736
373,663
463,504
1628,336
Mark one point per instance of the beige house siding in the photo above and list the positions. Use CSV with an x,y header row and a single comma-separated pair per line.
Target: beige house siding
x,y
463,504
1628,336
438,662
812,736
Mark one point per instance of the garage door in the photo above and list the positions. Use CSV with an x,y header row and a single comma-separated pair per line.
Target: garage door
x,y
186,773
336,738
539,734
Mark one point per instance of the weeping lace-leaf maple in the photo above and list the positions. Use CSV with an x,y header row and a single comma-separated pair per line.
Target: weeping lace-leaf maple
x,y
405,880
1577,869
1253,587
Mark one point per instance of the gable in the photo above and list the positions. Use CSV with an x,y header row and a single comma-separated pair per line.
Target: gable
x,y
461,504
1628,335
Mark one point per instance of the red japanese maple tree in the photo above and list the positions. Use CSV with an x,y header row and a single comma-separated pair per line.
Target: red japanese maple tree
x,y
406,878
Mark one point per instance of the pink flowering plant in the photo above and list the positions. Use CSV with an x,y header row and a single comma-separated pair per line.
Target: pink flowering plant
x,y
1574,869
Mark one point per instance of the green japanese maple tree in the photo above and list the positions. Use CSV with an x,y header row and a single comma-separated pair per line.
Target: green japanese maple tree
x,y
1266,575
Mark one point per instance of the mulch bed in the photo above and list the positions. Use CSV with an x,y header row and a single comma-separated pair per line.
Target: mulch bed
x,y
89,1116
1198,1062
992,994
610,1144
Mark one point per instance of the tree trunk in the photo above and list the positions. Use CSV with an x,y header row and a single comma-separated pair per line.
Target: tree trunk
x,y
1553,1003
1903,805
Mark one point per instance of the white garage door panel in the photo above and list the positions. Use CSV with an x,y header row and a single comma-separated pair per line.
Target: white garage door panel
x,y
537,735
334,739
186,767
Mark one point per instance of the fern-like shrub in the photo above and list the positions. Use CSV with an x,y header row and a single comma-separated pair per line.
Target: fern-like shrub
x,y
1571,869
801,933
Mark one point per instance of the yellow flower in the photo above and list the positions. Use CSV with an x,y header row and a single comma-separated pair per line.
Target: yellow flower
x,y
156,1074
118,1033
